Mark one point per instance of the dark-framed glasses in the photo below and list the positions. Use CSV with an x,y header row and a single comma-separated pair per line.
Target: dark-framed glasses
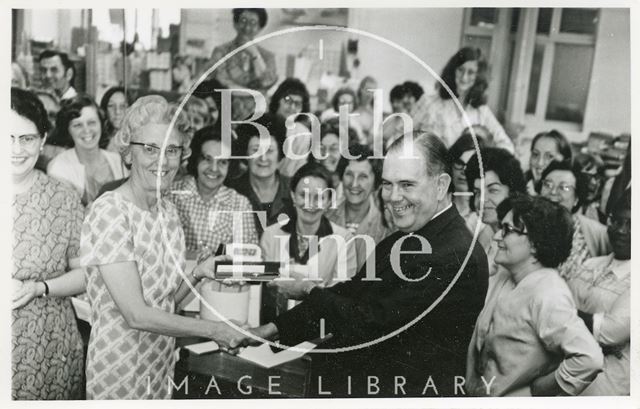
x,y
27,140
459,165
562,187
172,151
507,229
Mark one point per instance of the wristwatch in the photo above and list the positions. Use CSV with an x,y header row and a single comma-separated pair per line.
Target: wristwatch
x,y
46,289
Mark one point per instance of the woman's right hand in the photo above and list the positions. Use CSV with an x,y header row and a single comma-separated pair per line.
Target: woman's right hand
x,y
207,267
24,292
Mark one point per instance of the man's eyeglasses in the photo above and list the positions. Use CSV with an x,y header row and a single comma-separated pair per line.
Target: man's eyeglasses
x,y
507,228
549,185
172,151
26,141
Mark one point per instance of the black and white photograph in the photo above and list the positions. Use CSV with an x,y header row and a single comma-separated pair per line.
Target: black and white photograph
x,y
363,206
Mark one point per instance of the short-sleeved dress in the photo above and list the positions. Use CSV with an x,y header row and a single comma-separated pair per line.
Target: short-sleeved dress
x,y
125,363
46,347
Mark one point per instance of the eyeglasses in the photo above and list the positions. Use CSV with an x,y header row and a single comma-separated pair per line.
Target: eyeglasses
x,y
297,103
507,228
26,141
150,150
459,165
248,22
549,185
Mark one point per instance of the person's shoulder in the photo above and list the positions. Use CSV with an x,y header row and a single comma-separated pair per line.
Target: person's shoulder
x,y
547,285
58,187
237,199
265,52
61,160
111,155
340,231
589,224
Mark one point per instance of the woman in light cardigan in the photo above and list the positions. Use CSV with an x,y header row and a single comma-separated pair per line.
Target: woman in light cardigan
x,y
528,338
85,166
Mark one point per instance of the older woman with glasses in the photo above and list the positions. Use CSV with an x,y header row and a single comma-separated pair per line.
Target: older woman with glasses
x,y
567,185
133,247
46,347
528,339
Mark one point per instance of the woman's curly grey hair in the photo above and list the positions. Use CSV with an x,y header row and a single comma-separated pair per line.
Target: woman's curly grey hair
x,y
151,109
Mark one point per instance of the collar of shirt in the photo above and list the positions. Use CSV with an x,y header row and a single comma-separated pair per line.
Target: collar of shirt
x,y
621,268
441,211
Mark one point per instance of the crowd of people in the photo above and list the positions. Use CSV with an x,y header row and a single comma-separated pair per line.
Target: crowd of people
x,y
534,264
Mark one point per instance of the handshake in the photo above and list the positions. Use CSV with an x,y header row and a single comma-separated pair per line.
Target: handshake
x,y
231,340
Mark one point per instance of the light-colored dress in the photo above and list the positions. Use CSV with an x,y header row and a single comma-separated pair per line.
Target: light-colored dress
x,y
602,288
46,347
125,363
527,330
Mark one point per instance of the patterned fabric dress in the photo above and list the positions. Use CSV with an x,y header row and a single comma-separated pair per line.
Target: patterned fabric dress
x,y
46,347
125,363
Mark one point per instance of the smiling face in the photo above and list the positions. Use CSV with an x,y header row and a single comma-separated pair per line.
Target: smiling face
x,y
514,248
248,26
543,152
212,168
466,77
619,231
290,105
54,75
263,166
495,192
144,162
116,108
330,146
358,181
559,186
85,130
409,194
310,198
23,156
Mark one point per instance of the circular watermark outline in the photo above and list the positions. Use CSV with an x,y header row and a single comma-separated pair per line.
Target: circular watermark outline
x,y
256,41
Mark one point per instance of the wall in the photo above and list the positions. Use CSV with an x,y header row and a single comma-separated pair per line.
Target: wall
x,y
432,34
609,101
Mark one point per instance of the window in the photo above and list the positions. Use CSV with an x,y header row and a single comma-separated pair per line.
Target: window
x,y
561,67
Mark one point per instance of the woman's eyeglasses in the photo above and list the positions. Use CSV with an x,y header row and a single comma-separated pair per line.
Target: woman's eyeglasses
x,y
172,151
459,165
26,141
507,229
549,185
296,103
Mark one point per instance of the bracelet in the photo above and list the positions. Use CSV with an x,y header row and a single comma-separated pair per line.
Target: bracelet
x,y
46,289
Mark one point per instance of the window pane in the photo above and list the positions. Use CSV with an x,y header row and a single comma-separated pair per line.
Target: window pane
x,y
544,21
515,20
534,79
579,21
483,17
569,82
481,42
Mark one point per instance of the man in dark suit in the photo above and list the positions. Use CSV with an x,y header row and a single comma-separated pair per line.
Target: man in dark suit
x,y
406,331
